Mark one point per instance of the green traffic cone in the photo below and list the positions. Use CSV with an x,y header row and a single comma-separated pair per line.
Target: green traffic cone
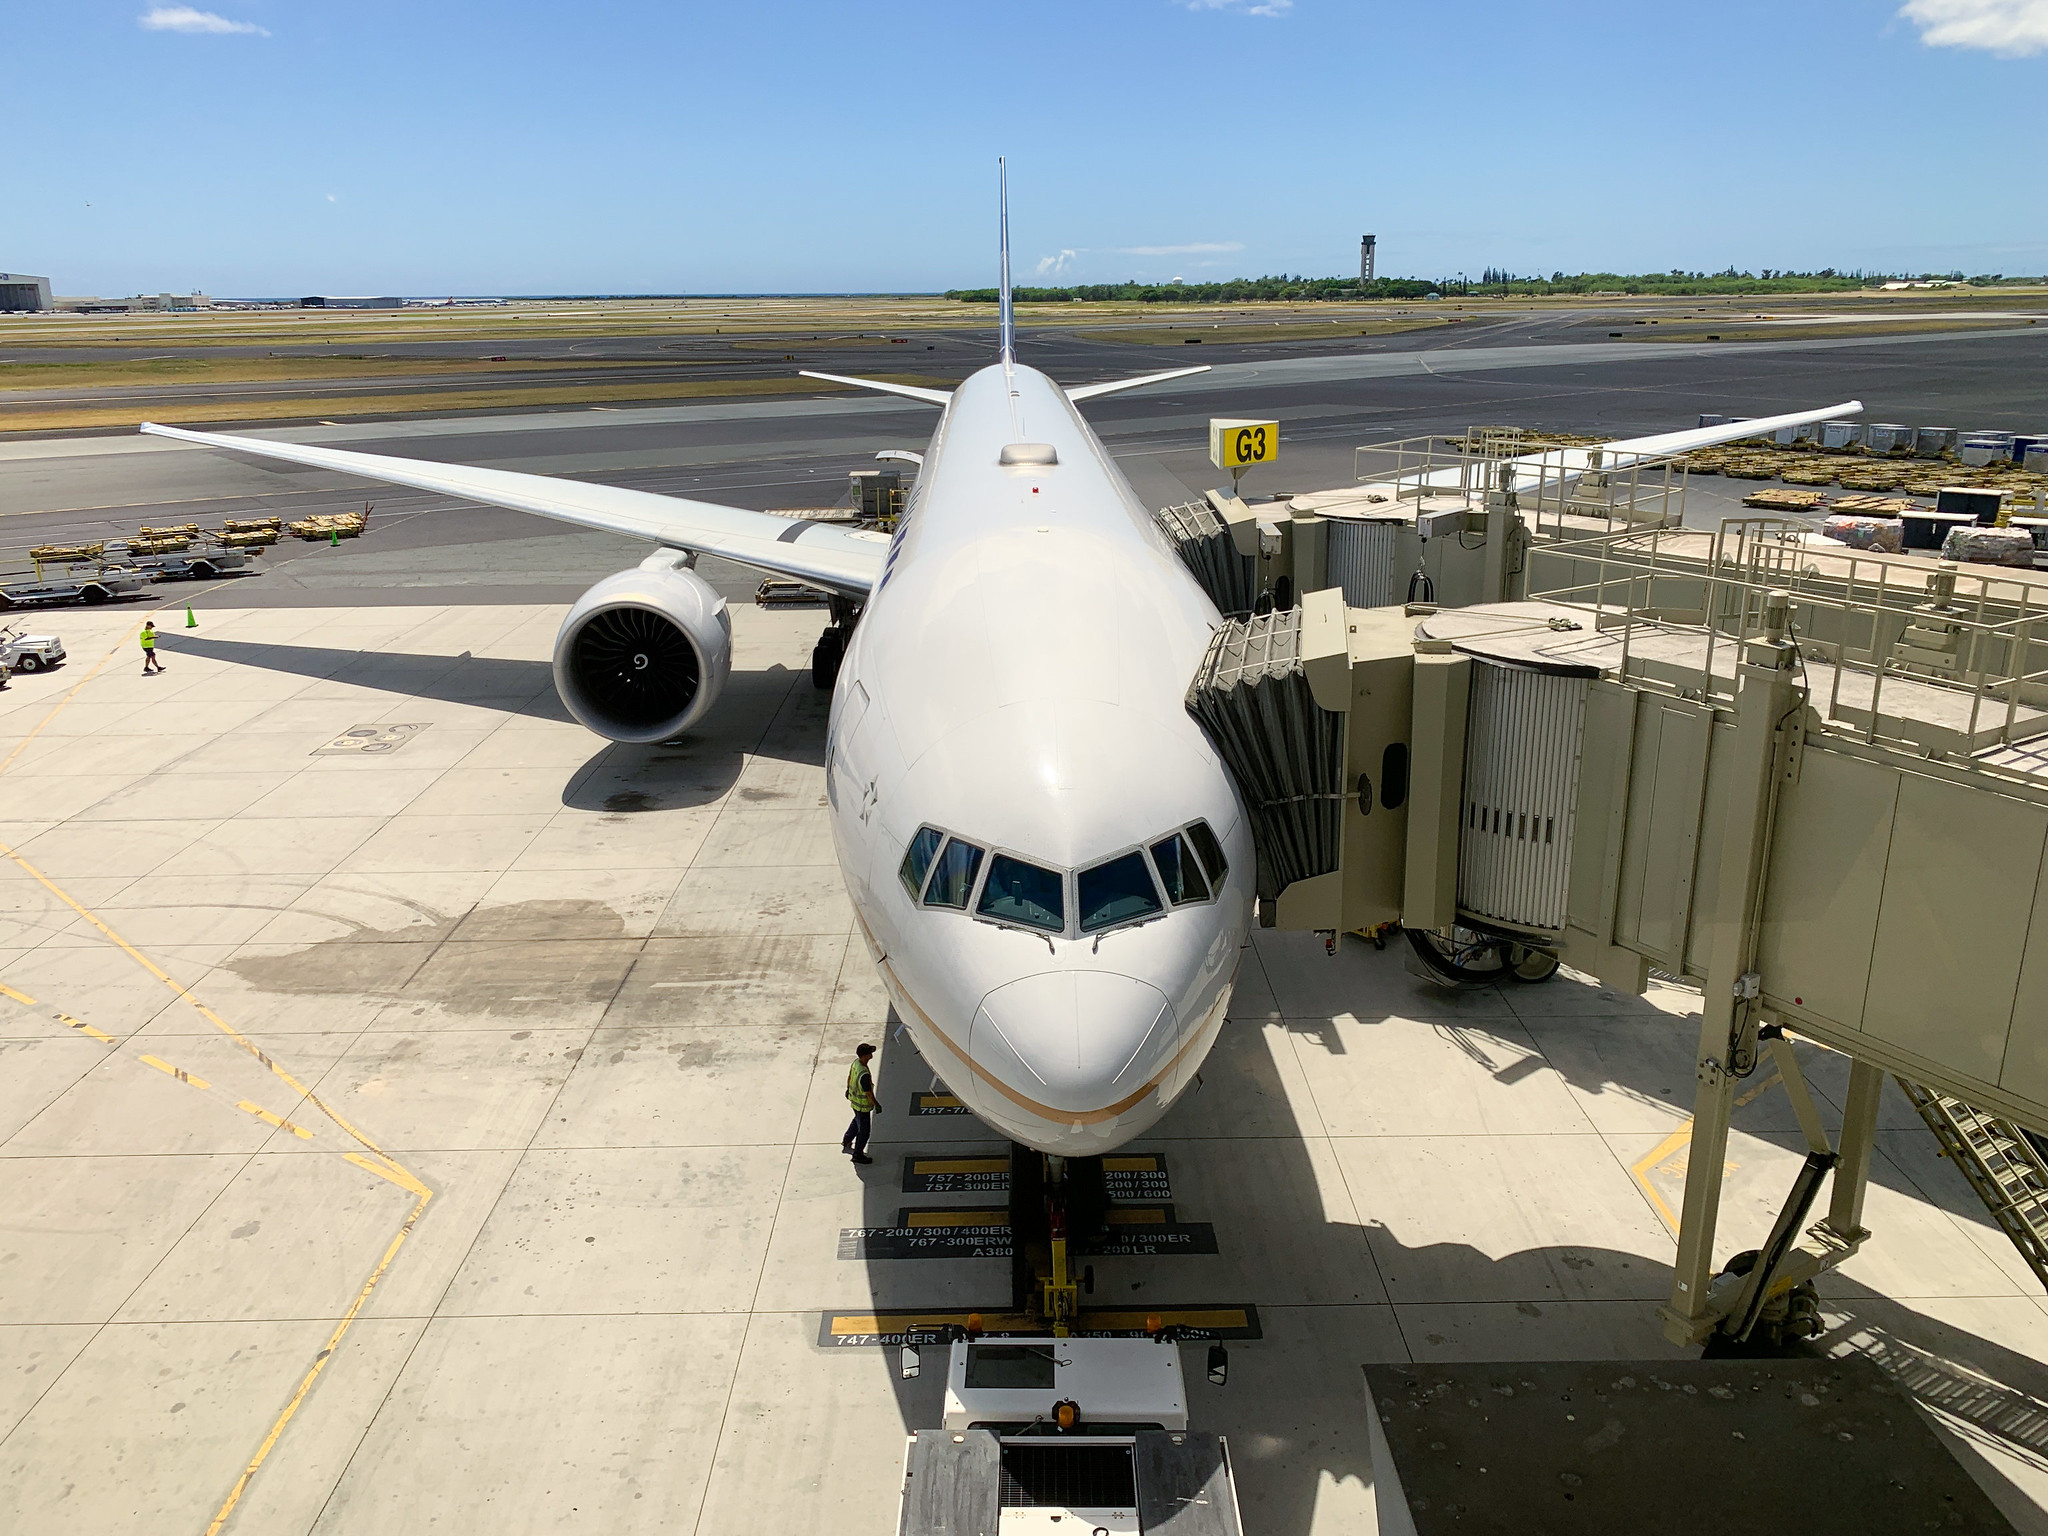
x,y
333,538
190,621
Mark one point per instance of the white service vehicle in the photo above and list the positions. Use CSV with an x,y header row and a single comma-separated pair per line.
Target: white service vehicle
x,y
29,653
1067,1437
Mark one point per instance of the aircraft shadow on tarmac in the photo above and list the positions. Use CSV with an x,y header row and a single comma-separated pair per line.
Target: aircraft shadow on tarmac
x,y
759,715
1294,1406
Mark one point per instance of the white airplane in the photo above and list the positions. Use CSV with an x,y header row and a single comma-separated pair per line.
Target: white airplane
x,y
1050,865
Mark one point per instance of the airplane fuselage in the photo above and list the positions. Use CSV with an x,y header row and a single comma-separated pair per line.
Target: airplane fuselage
x,y
1029,823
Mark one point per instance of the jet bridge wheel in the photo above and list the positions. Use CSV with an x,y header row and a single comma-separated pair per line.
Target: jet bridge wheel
x,y
1466,957
1782,1328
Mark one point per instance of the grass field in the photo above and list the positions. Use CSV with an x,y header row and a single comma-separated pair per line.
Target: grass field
x,y
1245,332
28,419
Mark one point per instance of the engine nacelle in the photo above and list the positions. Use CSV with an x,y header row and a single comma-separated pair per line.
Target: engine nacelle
x,y
643,654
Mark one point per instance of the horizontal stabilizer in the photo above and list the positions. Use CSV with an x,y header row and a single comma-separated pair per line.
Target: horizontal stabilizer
x,y
1082,392
915,392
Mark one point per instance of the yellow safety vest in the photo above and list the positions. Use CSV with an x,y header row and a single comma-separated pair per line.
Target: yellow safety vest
x,y
149,639
857,1096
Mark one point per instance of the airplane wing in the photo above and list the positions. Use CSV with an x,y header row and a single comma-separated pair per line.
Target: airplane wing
x,y
1082,392
840,559
1564,464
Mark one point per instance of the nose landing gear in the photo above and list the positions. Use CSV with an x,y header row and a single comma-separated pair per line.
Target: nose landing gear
x,y
1057,1205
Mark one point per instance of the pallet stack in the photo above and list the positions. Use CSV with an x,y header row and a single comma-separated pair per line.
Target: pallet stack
x,y
343,525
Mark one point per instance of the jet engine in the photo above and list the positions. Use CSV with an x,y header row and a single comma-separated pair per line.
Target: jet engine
x,y
643,654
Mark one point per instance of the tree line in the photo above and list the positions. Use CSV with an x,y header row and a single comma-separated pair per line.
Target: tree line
x,y
1492,282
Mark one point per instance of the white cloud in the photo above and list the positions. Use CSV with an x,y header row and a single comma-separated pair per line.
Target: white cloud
x,y
183,18
1244,7
1054,266
1197,248
332,198
2012,28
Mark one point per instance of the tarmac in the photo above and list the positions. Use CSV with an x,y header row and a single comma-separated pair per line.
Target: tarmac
x,y
447,1135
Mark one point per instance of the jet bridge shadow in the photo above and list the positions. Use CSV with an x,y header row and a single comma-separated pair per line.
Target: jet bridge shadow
x,y
1321,1276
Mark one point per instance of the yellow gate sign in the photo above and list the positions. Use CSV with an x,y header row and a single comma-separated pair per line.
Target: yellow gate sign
x,y
1238,444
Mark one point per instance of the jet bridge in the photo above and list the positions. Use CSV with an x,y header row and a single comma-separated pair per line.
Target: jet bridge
x,y
1821,792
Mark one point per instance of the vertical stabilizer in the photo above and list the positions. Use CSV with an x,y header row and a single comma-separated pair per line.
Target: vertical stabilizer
x,y
1006,318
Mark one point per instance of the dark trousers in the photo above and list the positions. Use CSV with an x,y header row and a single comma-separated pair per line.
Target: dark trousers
x,y
856,1138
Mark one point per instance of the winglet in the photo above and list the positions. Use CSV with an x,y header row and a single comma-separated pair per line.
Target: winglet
x,y
1006,315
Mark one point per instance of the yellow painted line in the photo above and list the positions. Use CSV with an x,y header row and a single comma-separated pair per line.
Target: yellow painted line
x,y
319,1364
960,1165
1171,1317
388,1170
844,1323
939,1100
277,1120
178,1072
1759,1090
119,646
1640,1171
59,1015
1146,1164
378,1161
197,1006
1645,1166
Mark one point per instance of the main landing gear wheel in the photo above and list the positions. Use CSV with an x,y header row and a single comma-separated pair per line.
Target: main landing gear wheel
x,y
826,656
1465,957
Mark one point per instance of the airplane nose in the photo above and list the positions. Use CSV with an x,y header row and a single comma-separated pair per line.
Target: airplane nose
x,y
1080,1040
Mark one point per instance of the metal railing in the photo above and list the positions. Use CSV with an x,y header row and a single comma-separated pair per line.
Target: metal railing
x,y
1964,655
1564,489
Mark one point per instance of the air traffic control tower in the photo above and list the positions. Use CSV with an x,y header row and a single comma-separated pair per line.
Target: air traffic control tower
x,y
1365,245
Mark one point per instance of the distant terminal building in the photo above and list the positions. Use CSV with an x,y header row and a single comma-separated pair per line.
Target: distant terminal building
x,y
1365,245
148,302
19,292
339,301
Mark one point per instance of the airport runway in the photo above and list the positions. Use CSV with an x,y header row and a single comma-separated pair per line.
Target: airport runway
x,y
795,452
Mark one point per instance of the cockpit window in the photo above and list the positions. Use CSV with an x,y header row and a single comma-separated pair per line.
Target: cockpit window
x,y
1179,872
1116,892
1210,850
953,875
1017,892
917,859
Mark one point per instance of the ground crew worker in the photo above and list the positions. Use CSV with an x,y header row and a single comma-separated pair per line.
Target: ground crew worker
x,y
860,1093
149,662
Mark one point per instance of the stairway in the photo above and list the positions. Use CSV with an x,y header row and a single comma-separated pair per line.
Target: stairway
x,y
2003,1163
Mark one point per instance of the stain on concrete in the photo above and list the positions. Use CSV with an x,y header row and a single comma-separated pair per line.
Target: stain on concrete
x,y
582,957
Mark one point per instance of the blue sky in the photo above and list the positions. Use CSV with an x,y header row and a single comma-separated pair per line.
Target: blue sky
x,y
286,146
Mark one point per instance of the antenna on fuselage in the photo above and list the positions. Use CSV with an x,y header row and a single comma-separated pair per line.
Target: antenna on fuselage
x,y
1006,319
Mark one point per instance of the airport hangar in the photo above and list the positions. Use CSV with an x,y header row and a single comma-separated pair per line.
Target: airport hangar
x,y
600,999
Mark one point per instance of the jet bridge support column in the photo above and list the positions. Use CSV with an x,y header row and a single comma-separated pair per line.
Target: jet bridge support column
x,y
1728,1051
